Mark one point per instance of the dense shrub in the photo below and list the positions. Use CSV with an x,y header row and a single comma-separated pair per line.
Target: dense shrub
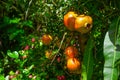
x,y
24,56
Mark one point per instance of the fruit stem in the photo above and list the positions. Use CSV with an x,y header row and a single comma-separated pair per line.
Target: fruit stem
x,y
59,47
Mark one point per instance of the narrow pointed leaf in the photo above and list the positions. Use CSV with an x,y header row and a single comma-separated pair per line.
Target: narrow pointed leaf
x,y
87,70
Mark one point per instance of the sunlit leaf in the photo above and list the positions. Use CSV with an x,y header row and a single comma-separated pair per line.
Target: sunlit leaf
x,y
12,54
84,74
2,77
111,51
15,20
28,23
27,70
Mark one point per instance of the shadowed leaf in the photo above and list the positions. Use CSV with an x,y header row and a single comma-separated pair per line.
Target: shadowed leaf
x,y
88,61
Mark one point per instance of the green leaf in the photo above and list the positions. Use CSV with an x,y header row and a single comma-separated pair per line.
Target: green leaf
x,y
15,20
16,33
84,74
11,72
27,70
28,23
87,68
6,20
13,54
2,77
112,50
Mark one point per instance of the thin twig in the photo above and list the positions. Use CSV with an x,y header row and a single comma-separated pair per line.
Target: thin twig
x,y
59,48
26,13
54,3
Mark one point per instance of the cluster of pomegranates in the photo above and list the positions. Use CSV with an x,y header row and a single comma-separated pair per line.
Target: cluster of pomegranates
x,y
73,63
80,23
74,22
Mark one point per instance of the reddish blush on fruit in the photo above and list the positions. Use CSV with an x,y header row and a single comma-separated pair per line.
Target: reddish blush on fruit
x,y
69,20
61,77
17,72
30,76
27,47
58,59
33,39
71,51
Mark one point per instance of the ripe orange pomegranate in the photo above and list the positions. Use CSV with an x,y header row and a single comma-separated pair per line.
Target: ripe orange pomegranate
x,y
46,39
69,20
83,24
71,51
73,64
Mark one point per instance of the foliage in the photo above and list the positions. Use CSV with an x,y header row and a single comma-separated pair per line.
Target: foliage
x,y
111,51
87,66
24,22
